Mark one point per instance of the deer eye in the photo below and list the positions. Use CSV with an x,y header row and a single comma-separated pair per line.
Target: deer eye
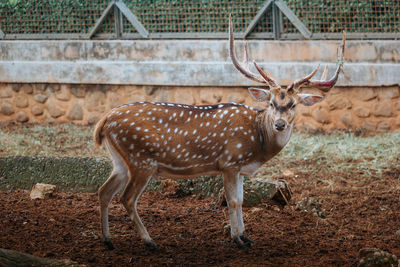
x,y
293,106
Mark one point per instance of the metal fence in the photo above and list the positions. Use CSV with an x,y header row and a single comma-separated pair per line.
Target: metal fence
x,y
260,19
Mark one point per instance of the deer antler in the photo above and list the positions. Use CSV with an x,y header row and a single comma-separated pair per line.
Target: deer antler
x,y
244,68
272,83
322,84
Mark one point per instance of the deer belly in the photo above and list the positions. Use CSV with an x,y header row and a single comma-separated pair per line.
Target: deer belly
x,y
250,169
190,171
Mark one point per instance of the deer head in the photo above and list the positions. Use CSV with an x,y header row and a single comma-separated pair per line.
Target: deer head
x,y
281,102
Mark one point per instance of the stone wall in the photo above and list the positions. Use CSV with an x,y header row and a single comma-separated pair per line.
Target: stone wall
x,y
367,108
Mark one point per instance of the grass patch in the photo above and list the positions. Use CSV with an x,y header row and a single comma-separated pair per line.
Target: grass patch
x,y
338,152
48,140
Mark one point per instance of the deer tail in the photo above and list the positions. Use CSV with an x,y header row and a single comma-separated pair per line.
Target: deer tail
x,y
98,131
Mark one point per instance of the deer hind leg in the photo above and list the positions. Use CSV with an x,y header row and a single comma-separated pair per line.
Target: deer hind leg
x,y
117,180
133,190
234,198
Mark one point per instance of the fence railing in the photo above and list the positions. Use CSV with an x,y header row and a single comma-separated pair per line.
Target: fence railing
x,y
154,19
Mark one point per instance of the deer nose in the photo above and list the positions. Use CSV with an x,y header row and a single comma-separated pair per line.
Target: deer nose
x,y
280,125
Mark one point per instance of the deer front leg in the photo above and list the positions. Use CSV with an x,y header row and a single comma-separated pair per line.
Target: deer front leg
x,y
242,235
133,190
234,199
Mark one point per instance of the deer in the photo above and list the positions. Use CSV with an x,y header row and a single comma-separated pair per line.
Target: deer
x,y
178,141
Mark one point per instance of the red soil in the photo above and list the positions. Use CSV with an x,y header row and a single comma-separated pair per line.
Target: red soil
x,y
191,231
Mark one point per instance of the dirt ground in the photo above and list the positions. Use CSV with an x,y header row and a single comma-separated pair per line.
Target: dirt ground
x,y
193,231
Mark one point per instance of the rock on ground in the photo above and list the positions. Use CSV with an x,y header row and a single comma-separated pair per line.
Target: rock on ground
x,y
375,257
41,191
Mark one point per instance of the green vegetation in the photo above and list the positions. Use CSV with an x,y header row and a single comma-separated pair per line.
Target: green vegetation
x,y
49,140
77,16
352,16
337,153
49,16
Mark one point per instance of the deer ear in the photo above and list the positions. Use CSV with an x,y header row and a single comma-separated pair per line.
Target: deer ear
x,y
259,94
309,99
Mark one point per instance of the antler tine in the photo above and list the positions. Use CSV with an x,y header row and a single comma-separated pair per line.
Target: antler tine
x,y
324,74
270,80
323,84
246,56
303,81
242,69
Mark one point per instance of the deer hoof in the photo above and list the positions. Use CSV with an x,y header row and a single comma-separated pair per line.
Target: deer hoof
x,y
246,240
240,243
109,244
151,245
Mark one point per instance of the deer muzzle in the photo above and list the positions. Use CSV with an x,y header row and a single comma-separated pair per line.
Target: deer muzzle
x,y
280,125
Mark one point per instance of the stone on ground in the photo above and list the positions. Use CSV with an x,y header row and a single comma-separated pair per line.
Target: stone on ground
x,y
41,191
376,257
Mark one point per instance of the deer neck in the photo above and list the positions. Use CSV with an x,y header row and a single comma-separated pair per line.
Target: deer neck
x,y
272,141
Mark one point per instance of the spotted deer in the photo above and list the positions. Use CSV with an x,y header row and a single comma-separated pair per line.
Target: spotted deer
x,y
148,139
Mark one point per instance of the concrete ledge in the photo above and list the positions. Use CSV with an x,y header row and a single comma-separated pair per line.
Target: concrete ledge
x,y
377,51
191,63
185,73
68,173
